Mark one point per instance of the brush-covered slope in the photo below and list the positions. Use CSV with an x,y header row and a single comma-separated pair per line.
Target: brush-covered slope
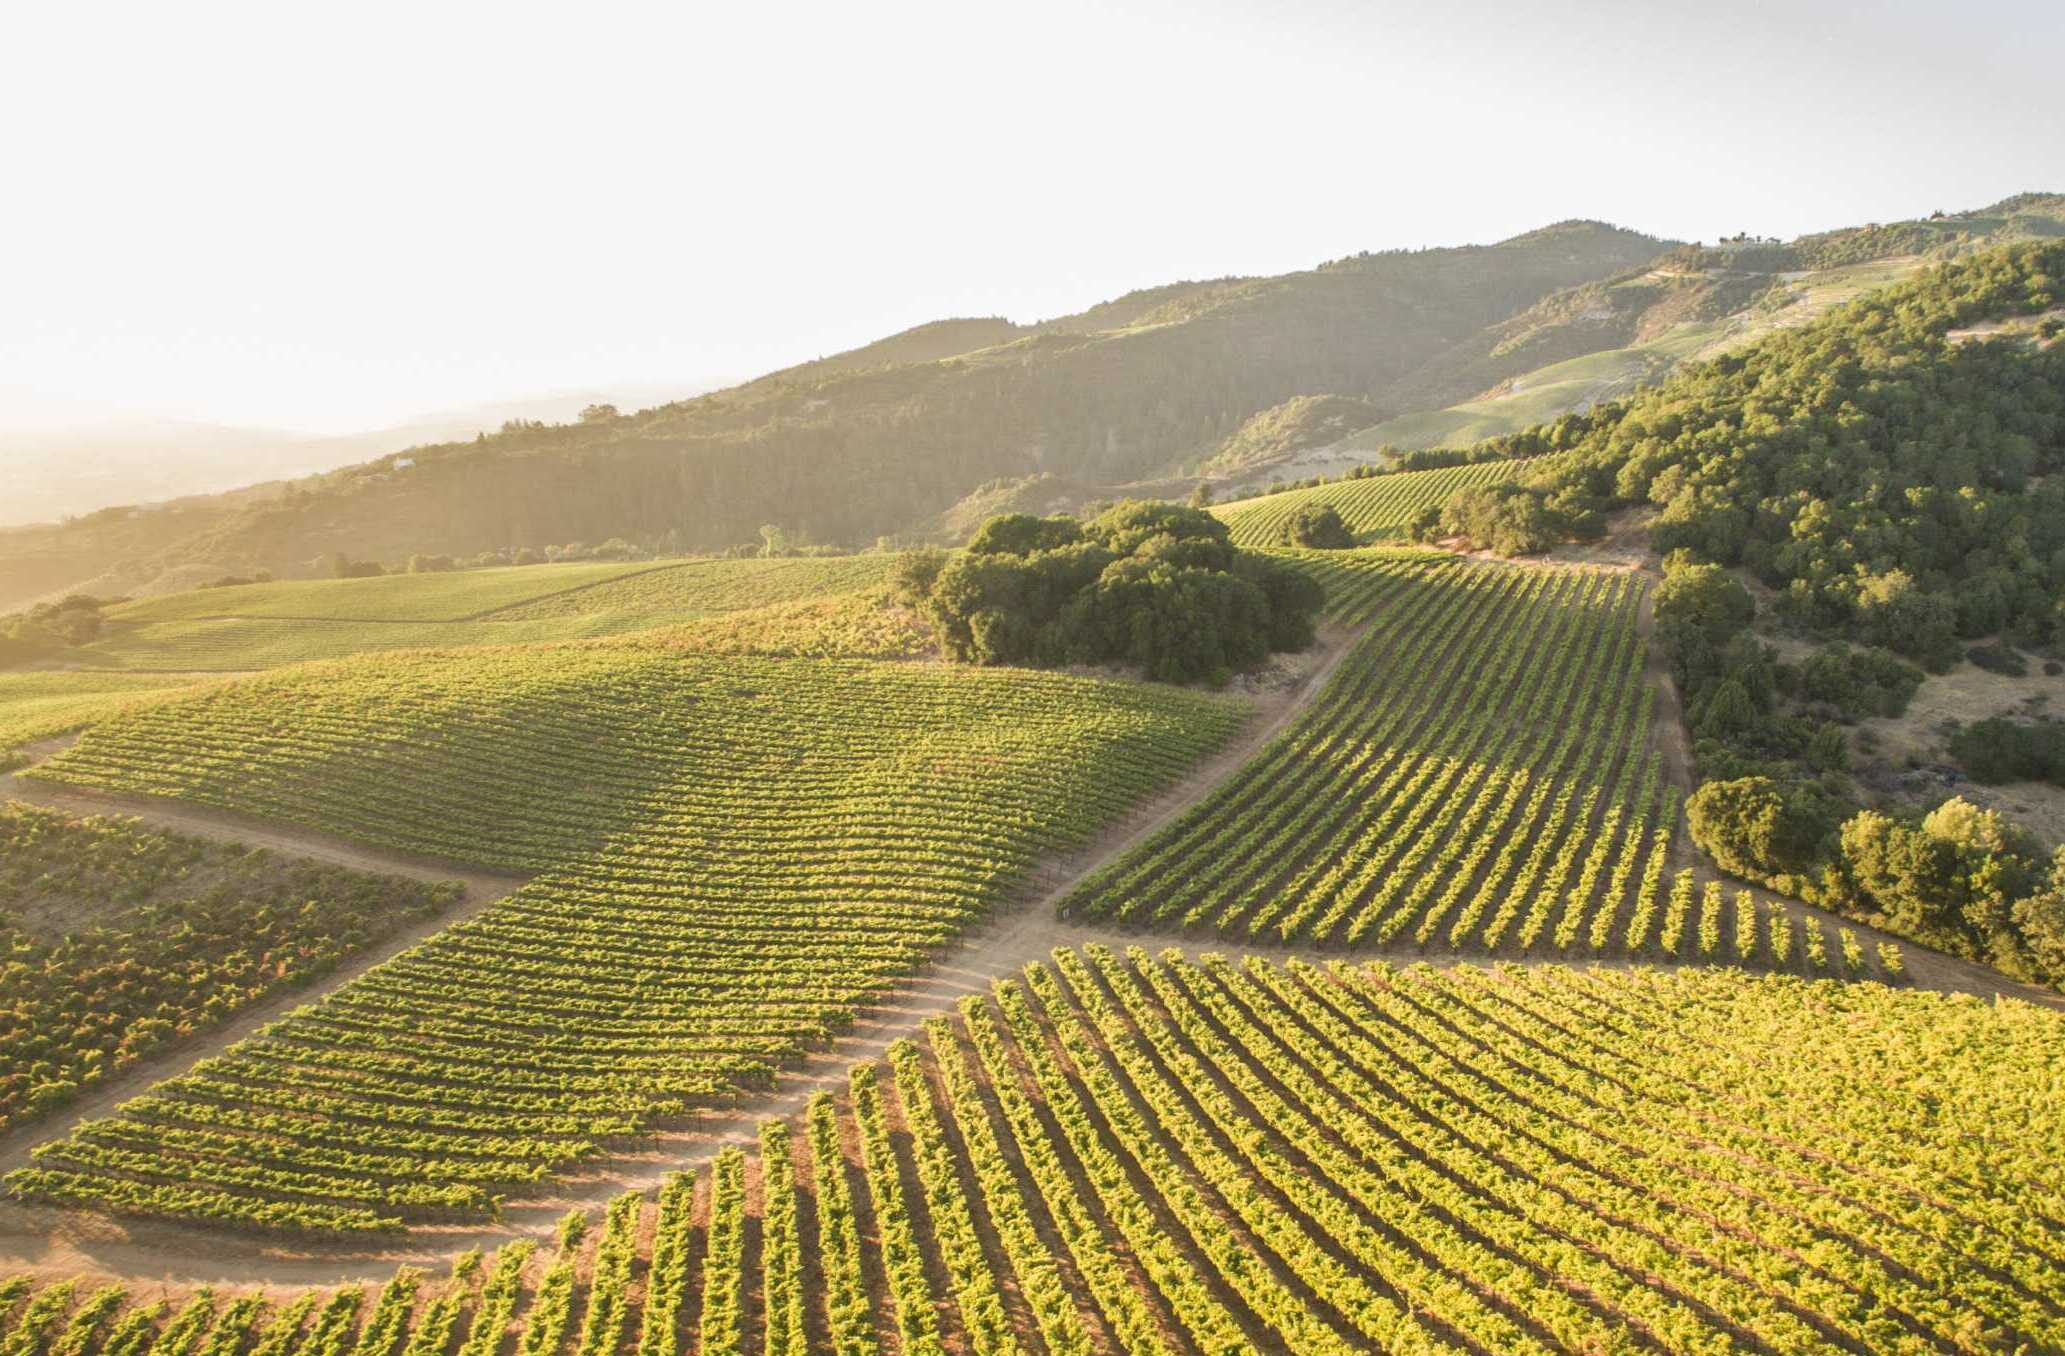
x,y
1601,340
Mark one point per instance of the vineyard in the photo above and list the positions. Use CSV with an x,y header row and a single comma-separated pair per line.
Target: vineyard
x,y
115,938
704,586
818,606
1373,508
1479,776
1124,1154
37,705
733,856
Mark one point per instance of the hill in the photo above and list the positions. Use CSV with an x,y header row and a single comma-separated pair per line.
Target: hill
x,y
872,442
1601,340
733,855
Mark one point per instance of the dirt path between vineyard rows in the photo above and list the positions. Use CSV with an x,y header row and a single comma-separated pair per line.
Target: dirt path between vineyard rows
x,y
59,1243
482,890
63,1243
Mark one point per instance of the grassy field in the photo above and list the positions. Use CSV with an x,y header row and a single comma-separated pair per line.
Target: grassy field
x,y
457,595
733,856
1376,508
1117,1153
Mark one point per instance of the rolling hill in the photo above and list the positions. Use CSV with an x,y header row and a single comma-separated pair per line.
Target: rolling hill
x,y
871,442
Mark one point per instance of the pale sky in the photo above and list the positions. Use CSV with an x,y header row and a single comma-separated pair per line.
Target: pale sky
x,y
329,219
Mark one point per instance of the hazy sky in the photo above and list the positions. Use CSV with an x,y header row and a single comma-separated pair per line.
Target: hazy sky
x,y
328,218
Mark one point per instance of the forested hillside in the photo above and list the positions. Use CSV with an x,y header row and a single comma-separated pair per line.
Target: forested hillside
x,y
876,441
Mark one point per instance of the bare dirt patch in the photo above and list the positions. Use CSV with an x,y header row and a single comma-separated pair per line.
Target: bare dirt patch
x,y
1907,761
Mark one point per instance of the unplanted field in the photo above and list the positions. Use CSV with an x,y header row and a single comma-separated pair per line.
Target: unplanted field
x,y
1126,1154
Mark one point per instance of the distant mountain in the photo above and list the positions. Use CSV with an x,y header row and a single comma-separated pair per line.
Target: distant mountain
x,y
881,439
1600,340
62,459
1247,378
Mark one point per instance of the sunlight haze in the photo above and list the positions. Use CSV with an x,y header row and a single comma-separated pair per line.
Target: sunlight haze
x,y
226,212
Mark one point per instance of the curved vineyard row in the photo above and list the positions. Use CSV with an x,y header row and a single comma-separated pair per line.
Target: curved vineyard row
x,y
1125,1154
1374,507
738,856
1477,773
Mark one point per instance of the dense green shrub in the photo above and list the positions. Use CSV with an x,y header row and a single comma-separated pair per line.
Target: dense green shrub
x,y
1856,682
2001,750
1758,827
1153,585
1317,527
2001,659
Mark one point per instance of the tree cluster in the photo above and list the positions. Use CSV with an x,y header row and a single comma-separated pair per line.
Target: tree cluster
x,y
49,629
1156,586
1316,527
1887,481
1513,520
1960,879
2001,750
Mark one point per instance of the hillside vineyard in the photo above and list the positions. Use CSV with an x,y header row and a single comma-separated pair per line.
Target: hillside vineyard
x,y
1478,775
1125,1154
733,857
1373,508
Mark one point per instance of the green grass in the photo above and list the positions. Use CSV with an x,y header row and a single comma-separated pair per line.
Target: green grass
x,y
1116,1152
708,586
240,644
734,855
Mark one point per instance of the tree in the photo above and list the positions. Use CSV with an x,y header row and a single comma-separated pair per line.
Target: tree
x,y
598,414
1317,527
1152,585
912,576
1756,827
1201,496
1699,609
1512,520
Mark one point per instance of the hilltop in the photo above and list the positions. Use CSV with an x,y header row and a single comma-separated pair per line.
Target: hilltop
x,y
1242,381
876,441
